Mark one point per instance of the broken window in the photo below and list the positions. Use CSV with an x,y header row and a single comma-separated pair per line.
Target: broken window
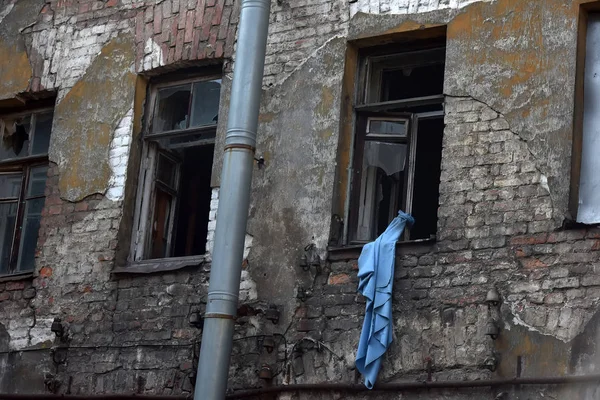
x,y
588,208
398,143
174,197
23,170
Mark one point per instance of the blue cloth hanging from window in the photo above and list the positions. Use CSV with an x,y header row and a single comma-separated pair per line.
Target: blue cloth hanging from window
x,y
376,278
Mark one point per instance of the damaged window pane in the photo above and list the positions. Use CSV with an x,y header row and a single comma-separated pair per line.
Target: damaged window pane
x,y
397,149
25,142
173,222
390,157
383,164
172,106
15,137
205,107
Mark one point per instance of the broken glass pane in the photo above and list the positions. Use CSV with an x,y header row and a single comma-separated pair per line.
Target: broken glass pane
x,y
41,138
10,186
387,127
390,157
205,104
15,137
8,215
381,180
171,111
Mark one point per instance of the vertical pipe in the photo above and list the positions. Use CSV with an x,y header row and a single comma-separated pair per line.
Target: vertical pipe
x,y
234,199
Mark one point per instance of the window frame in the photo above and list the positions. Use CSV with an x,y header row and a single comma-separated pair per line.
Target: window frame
x,y
23,166
586,11
367,106
145,200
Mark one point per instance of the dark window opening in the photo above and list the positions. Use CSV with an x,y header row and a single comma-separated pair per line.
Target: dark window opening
x,y
397,154
427,178
23,171
174,199
194,201
405,83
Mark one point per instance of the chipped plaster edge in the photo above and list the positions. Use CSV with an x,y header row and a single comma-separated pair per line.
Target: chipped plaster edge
x,y
408,6
6,11
118,157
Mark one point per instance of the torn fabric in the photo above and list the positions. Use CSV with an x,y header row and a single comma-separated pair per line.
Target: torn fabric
x,y
376,278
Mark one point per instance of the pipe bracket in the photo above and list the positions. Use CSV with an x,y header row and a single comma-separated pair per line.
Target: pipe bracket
x,y
219,315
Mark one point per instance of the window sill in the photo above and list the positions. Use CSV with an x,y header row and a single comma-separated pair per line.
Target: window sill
x,y
16,277
161,265
352,251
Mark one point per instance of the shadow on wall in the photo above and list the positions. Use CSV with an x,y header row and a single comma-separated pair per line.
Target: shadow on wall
x,y
21,369
585,357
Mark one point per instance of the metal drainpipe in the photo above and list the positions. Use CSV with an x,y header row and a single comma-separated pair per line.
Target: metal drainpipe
x,y
234,199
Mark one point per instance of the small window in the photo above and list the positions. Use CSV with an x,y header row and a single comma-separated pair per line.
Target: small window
x,y
174,196
398,144
23,170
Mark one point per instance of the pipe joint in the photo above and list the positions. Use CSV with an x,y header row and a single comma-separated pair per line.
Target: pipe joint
x,y
240,136
261,4
221,303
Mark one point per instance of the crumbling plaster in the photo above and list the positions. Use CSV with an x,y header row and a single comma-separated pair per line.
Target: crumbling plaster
x,y
83,129
298,137
407,6
512,73
15,68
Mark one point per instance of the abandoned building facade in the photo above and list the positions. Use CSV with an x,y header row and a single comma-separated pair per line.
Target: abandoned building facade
x,y
479,118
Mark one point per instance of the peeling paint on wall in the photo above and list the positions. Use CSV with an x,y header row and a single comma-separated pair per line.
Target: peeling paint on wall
x,y
4,12
84,121
68,52
15,67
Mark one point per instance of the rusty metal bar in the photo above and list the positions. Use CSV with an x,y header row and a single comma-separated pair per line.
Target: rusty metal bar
x,y
334,387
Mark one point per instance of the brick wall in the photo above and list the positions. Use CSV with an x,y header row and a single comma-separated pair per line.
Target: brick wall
x,y
130,333
296,30
406,6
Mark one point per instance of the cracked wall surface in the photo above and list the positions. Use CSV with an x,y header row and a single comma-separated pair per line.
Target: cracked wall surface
x,y
509,84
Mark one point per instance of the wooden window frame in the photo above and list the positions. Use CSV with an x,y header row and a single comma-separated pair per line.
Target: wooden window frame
x,y
23,166
145,200
368,107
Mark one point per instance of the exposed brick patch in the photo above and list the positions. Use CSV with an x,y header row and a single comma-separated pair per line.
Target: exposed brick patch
x,y
339,279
